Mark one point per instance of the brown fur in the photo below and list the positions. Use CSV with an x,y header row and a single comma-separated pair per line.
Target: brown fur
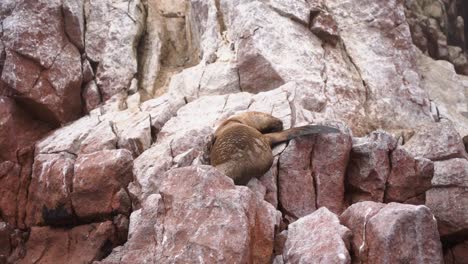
x,y
242,144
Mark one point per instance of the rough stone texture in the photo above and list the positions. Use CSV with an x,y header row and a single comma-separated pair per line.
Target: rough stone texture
x,y
451,101
409,178
448,198
369,167
5,244
317,238
42,67
388,41
52,174
436,141
437,28
457,254
349,64
81,244
99,184
227,223
113,29
392,233
310,169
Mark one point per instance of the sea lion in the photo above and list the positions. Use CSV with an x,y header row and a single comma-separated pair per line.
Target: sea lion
x,y
242,144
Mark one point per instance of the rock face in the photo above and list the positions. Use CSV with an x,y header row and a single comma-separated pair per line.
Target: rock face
x,y
317,238
410,232
227,223
131,182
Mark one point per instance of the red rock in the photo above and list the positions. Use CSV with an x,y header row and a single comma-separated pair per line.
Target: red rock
x,y
42,66
296,191
317,238
329,162
457,254
409,178
99,184
91,96
256,73
228,223
49,191
5,244
324,26
369,166
9,188
393,233
436,141
448,199
81,244
73,13
15,123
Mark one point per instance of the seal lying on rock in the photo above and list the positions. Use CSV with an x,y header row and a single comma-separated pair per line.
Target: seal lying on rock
x,y
242,144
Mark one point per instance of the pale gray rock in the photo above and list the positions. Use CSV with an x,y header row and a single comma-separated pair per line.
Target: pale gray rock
x,y
113,29
317,238
451,101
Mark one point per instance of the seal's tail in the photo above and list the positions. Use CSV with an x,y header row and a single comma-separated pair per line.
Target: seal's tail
x,y
288,134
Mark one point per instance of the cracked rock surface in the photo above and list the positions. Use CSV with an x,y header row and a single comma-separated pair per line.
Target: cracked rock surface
x,y
108,110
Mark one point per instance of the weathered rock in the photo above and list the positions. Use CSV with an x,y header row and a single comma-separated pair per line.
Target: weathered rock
x,y
409,178
49,191
317,238
436,141
77,245
392,233
451,101
73,12
16,123
457,254
369,166
113,29
448,199
5,244
218,210
10,182
99,184
324,26
437,28
42,66
91,96
311,168
391,101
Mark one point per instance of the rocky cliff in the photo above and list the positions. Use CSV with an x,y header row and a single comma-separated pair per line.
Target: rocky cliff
x,y
108,109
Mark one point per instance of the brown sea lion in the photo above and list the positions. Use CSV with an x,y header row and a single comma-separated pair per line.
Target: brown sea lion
x,y
242,144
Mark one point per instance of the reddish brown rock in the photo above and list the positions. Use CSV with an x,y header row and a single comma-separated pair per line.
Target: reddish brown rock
x,y
436,141
15,123
393,233
91,96
9,187
448,197
5,244
296,191
317,238
99,184
81,244
73,12
49,192
409,178
310,169
369,167
324,26
42,66
329,162
228,223
457,254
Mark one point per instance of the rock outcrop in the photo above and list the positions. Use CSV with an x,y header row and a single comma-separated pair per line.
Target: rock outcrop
x,y
108,110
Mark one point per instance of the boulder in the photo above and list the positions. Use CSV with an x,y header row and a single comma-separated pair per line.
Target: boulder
x,y
392,233
317,238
